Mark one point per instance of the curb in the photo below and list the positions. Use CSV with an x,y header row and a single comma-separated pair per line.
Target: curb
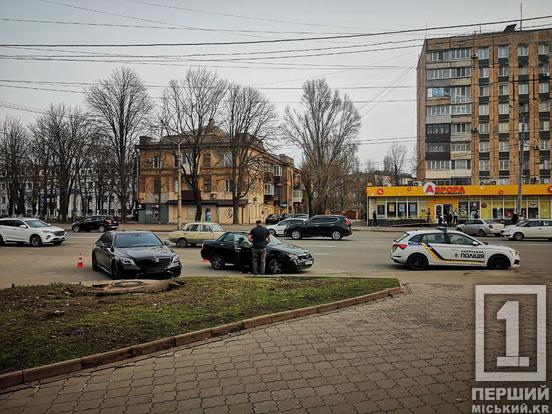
x,y
91,361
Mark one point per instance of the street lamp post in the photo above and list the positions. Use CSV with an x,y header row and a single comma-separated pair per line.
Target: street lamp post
x,y
521,163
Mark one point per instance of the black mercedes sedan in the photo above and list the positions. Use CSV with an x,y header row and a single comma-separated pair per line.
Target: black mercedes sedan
x,y
134,254
234,248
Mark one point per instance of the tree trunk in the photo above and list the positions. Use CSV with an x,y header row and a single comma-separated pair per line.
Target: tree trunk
x,y
235,210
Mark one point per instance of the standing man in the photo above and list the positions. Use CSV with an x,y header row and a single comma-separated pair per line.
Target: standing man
x,y
515,218
260,237
374,218
455,217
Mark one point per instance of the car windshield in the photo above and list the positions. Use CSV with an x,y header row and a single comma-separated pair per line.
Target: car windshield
x,y
137,240
274,241
216,227
35,223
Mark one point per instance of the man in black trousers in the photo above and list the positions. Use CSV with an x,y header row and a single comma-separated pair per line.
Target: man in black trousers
x,y
260,237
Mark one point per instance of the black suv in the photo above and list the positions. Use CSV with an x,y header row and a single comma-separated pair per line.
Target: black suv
x,y
321,226
100,223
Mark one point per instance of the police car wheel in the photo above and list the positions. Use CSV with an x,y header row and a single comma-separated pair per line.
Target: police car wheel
x,y
417,262
499,262
518,236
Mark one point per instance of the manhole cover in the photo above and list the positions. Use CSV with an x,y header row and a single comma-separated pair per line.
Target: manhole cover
x,y
128,284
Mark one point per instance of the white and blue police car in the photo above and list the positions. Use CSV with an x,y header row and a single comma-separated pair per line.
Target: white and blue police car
x,y
441,247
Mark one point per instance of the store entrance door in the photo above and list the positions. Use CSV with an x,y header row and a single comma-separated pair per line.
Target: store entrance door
x,y
442,210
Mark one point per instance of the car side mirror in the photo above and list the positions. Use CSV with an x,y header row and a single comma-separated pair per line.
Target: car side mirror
x,y
474,243
241,240
166,242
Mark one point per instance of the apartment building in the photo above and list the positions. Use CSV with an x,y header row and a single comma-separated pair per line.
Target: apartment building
x,y
277,190
478,97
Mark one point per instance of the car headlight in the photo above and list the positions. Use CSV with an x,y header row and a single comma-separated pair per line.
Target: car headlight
x,y
293,257
127,261
175,259
48,231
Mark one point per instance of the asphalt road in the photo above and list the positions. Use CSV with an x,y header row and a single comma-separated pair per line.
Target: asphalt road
x,y
364,254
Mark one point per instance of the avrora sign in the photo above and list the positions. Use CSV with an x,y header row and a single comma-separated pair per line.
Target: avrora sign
x,y
432,189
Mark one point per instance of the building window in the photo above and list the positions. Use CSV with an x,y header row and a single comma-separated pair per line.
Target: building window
x,y
484,90
461,128
461,109
156,161
523,88
438,164
523,126
483,110
523,50
434,129
503,165
438,74
438,92
207,161
438,56
461,165
503,70
484,73
544,106
464,72
503,89
207,184
458,54
438,147
544,69
3,200
461,94
483,165
460,146
156,186
483,53
269,189
503,127
524,108
543,49
503,108
543,87
544,164
544,144
483,128
227,159
503,51
228,186
438,110
544,125
483,146
524,69
503,146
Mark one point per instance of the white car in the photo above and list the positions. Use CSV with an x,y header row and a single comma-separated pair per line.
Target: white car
x,y
30,230
278,228
530,229
422,248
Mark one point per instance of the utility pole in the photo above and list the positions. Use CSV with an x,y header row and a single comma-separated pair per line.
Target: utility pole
x,y
521,162
179,195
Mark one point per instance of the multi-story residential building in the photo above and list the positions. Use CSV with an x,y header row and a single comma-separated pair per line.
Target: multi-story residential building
x,y
277,190
478,96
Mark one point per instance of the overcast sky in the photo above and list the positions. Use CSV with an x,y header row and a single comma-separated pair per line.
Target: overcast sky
x,y
388,106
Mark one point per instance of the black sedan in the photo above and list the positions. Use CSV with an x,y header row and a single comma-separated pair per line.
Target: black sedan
x,y
134,253
234,248
99,223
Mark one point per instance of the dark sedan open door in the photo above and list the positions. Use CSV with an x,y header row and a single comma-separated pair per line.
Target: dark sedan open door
x,y
227,247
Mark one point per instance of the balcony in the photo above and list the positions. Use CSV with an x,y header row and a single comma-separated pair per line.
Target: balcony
x,y
297,196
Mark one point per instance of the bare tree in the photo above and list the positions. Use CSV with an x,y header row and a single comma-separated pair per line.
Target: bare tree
x,y
188,111
250,122
122,106
326,132
395,162
14,144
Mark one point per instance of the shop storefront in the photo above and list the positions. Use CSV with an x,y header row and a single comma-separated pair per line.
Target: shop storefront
x,y
427,202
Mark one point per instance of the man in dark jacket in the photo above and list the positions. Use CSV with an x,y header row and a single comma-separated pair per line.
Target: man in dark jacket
x,y
260,237
374,218
515,218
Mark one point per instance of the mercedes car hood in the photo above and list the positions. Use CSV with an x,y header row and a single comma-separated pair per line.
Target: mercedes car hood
x,y
146,252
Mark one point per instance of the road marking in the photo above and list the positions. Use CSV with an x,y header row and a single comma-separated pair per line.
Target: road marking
x,y
322,254
322,245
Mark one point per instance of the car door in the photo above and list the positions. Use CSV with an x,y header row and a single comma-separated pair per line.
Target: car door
x,y
533,229
103,250
7,229
437,248
227,247
191,232
281,226
312,227
466,251
547,229
204,233
20,231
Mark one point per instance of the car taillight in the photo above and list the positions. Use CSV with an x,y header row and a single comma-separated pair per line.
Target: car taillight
x,y
402,246
107,221
347,222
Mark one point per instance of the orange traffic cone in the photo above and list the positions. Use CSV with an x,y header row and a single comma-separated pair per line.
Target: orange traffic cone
x,y
80,264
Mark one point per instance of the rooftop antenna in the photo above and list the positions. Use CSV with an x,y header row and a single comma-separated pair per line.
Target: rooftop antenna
x,y
520,16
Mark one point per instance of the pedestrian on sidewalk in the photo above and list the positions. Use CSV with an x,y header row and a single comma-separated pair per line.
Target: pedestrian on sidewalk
x,y
515,218
374,218
260,237
455,216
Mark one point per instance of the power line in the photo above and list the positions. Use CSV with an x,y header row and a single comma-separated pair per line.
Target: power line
x,y
296,39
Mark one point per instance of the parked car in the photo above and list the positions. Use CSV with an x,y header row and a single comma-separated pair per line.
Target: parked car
x,y
234,248
134,253
273,218
30,230
99,223
278,229
333,226
439,247
195,233
481,228
300,215
530,229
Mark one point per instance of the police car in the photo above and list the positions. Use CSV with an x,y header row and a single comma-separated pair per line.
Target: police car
x,y
441,247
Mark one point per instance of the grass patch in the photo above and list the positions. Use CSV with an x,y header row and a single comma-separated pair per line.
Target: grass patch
x,y
31,335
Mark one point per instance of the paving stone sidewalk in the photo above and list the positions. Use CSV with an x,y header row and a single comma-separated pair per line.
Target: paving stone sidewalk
x,y
409,354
